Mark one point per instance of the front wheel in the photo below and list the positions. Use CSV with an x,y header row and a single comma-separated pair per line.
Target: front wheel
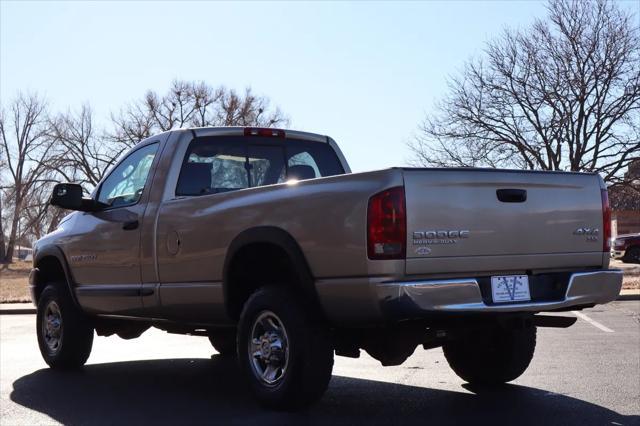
x,y
492,356
632,255
285,355
65,336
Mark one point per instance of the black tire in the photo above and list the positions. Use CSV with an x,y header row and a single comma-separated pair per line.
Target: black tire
x,y
492,356
304,356
68,345
632,255
224,342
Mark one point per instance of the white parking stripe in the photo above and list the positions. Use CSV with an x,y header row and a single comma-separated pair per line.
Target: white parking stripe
x,y
592,322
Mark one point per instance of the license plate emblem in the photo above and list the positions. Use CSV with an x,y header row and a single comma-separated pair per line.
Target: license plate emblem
x,y
510,288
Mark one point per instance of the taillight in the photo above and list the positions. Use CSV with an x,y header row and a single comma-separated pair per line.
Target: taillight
x,y
261,131
606,221
387,225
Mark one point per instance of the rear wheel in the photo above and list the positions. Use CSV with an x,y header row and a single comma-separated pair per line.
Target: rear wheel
x,y
65,336
493,356
285,355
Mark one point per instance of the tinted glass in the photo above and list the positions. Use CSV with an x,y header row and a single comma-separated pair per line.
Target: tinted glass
x,y
319,156
220,164
211,168
125,183
266,164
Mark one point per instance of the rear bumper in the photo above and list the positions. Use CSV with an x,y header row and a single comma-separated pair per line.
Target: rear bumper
x,y
420,298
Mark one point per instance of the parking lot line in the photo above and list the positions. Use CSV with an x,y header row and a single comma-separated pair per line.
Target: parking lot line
x,y
592,322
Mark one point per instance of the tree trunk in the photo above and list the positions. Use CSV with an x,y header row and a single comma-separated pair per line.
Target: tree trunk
x,y
8,258
2,246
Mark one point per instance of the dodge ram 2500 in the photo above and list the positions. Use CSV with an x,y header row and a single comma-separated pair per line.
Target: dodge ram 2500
x,y
262,240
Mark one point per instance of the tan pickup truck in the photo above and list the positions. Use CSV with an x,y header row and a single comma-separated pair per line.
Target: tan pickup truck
x,y
262,240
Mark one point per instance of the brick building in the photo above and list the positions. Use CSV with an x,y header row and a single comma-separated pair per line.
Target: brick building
x,y
625,203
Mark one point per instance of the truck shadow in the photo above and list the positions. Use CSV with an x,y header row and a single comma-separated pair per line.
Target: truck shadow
x,y
202,391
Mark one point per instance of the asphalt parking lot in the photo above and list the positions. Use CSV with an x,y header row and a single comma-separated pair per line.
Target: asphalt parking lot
x,y
588,374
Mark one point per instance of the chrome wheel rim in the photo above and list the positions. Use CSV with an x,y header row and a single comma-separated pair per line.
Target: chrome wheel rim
x,y
52,327
268,348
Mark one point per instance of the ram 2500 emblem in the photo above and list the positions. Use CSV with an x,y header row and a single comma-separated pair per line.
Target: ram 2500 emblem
x,y
84,258
444,236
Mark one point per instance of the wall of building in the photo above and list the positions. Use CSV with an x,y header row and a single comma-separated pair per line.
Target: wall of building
x,y
625,222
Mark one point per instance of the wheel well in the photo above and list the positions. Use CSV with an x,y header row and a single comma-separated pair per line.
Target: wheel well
x,y
253,266
50,270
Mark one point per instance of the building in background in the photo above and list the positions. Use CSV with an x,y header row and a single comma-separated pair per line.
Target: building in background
x,y
23,253
625,203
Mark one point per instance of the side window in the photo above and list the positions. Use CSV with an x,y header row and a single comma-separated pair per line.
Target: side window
x,y
124,185
210,168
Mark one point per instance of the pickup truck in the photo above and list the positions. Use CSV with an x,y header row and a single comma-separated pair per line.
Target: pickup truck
x,y
265,242
626,248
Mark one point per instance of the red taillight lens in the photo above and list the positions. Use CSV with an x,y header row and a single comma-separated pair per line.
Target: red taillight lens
x,y
260,131
606,221
387,225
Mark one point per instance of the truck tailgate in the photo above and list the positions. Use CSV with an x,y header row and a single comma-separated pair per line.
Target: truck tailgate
x,y
501,220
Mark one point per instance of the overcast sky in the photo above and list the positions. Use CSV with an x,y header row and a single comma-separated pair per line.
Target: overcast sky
x,y
363,73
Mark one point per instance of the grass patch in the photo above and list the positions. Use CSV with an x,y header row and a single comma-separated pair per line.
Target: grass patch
x,y
14,282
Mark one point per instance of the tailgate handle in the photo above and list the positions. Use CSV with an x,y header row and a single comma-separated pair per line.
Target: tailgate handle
x,y
512,195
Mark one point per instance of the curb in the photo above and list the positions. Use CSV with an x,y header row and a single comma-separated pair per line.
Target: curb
x,y
18,311
629,296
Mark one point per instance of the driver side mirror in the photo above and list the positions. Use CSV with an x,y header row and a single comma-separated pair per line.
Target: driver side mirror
x,y
69,196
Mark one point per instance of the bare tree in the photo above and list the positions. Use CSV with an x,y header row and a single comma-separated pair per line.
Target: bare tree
x,y
3,188
38,218
26,149
2,242
38,150
563,94
193,104
83,154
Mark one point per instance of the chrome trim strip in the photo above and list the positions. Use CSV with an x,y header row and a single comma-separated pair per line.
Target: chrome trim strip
x,y
113,290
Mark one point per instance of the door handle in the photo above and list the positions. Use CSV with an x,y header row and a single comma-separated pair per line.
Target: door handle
x,y
128,226
512,195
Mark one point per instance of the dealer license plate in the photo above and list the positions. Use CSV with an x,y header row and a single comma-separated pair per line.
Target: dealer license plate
x,y
510,288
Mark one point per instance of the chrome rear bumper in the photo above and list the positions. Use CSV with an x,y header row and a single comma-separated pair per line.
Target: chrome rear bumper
x,y
463,295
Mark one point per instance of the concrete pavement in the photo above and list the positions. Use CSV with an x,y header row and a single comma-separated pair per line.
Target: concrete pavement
x,y
581,375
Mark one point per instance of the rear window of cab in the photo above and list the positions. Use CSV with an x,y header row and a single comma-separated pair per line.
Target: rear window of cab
x,y
213,165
